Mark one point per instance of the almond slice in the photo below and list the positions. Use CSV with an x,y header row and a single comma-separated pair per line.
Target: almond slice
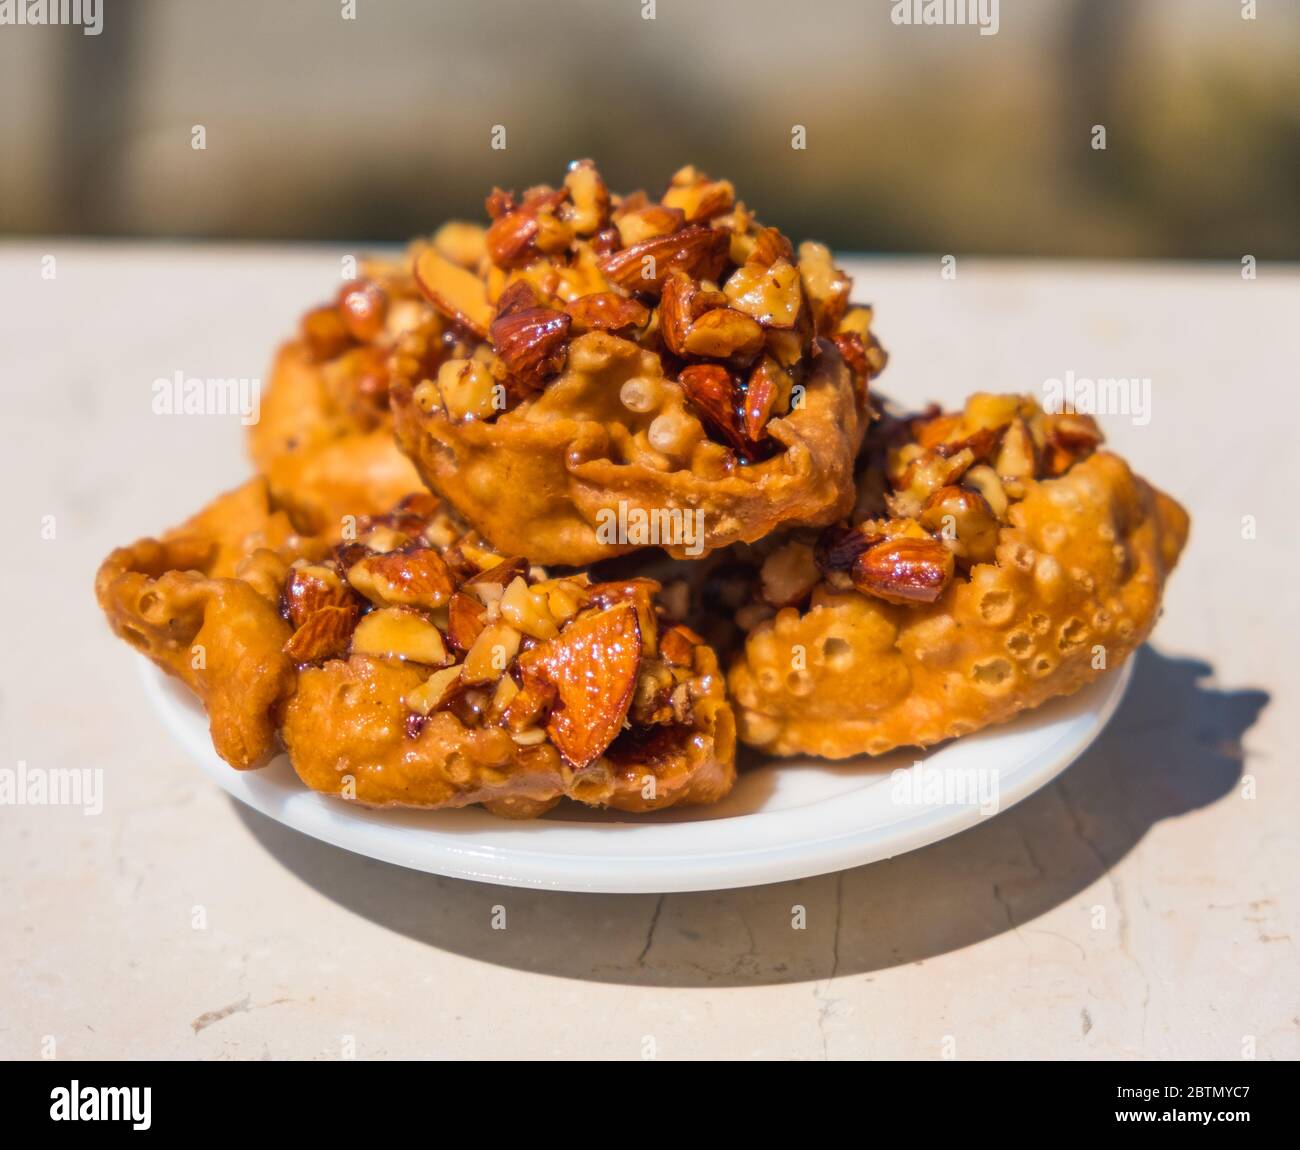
x,y
640,592
769,246
826,287
593,665
457,293
965,521
701,199
767,390
724,333
396,633
417,577
527,704
699,251
511,239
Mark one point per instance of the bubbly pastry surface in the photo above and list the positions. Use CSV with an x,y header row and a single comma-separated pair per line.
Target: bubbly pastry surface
x,y
997,560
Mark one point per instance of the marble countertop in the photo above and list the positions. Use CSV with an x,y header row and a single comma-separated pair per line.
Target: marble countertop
x,y
1145,905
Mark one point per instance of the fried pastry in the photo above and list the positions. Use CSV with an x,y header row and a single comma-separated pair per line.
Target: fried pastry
x,y
607,372
324,439
996,559
414,666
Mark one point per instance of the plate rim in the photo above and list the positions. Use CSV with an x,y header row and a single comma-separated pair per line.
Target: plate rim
x,y
371,833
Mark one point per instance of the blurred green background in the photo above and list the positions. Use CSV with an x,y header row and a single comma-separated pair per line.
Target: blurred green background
x,y
929,139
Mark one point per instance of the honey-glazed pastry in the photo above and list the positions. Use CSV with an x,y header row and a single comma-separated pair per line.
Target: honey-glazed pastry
x,y
324,439
179,599
996,559
413,666
608,372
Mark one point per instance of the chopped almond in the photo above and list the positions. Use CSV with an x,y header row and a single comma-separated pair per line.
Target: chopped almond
x,y
416,577
458,294
396,633
592,665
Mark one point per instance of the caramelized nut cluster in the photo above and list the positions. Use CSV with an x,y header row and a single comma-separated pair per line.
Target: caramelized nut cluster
x,y
947,484
735,314
352,340
499,643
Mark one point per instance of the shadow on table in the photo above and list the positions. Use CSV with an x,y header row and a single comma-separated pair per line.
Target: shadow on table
x,y
1174,745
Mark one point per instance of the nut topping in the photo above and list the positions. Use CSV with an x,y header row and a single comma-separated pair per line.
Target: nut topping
x,y
700,252
715,394
398,633
532,343
363,307
458,294
693,279
606,311
769,293
309,588
593,668
323,634
417,577
904,570
646,223
948,505
466,618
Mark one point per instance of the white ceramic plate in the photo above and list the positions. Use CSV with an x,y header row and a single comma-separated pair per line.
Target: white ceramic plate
x,y
784,820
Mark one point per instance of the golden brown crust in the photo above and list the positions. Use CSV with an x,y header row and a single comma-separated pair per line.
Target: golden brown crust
x,y
1074,589
176,601
325,457
335,648
345,732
